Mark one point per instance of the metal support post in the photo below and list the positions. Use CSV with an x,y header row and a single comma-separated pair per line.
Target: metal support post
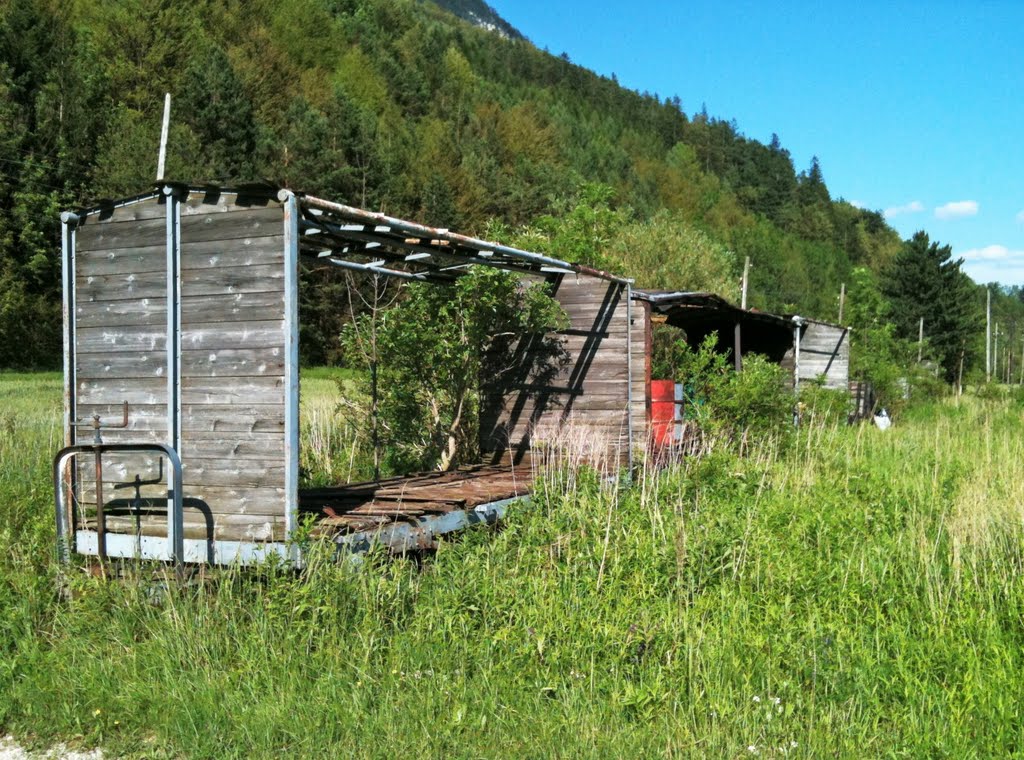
x,y
175,523
69,226
291,357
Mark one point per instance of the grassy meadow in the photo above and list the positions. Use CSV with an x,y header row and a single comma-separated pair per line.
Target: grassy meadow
x,y
855,594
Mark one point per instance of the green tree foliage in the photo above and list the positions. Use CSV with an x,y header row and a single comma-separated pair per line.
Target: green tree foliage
x,y
435,347
581,231
215,105
395,105
666,252
877,354
739,407
925,282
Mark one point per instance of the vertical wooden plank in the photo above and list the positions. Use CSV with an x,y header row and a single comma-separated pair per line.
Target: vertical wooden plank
x,y
593,392
68,223
629,374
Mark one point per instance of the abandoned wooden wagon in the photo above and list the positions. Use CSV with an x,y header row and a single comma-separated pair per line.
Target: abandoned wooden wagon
x,y
181,339
181,330
810,351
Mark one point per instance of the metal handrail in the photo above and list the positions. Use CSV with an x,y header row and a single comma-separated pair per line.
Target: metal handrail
x,y
175,513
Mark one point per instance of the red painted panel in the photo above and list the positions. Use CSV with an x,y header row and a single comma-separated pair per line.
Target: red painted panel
x,y
663,410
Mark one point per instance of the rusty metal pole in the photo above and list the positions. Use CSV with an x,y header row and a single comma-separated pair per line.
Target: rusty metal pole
x,y
101,522
97,442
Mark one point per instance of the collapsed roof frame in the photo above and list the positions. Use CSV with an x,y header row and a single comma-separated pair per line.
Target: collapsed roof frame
x,y
341,235
711,304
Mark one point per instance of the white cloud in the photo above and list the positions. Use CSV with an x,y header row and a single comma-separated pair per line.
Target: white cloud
x,y
991,253
859,204
1020,216
994,263
956,209
908,208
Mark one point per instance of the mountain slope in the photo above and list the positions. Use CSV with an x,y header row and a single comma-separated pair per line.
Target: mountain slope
x,y
479,13
388,104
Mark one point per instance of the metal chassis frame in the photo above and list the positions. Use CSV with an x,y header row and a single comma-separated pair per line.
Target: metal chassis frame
x,y
401,538
68,228
174,479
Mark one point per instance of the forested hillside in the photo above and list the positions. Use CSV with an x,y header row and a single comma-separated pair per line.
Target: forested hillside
x,y
395,105
479,13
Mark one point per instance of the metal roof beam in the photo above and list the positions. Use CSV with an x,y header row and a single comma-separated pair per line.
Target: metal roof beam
x,y
350,213
370,269
417,248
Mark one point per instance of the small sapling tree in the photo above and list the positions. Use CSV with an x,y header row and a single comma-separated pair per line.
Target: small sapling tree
x,y
436,346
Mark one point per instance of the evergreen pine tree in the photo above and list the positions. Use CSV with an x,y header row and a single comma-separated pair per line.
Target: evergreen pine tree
x,y
925,282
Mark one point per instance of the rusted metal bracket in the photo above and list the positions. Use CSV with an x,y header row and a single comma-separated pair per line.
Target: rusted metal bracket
x,y
97,425
135,505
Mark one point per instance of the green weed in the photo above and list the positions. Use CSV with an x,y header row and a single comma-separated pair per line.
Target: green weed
x,y
855,594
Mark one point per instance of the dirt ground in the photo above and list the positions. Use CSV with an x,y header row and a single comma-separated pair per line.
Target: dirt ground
x,y
10,750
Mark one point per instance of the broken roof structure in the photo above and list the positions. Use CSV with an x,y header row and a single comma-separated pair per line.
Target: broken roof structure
x,y
346,236
810,350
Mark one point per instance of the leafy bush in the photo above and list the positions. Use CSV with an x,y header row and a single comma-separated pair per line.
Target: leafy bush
x,y
743,407
823,406
435,347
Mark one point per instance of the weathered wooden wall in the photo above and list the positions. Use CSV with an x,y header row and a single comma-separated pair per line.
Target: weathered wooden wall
x,y
576,397
824,350
232,358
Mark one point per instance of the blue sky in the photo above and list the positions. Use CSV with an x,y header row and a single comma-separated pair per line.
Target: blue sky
x,y
914,109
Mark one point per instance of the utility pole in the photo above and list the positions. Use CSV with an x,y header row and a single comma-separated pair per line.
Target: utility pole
x,y
737,342
995,354
842,301
920,339
746,279
988,334
1021,382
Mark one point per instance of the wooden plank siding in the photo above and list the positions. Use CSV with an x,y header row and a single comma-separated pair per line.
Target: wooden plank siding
x,y
824,352
232,359
573,387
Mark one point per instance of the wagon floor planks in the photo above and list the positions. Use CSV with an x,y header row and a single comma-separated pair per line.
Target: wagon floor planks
x,y
375,504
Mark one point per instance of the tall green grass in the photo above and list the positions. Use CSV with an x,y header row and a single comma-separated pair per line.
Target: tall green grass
x,y
857,595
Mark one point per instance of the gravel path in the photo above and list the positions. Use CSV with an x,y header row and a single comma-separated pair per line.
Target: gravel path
x,y
10,750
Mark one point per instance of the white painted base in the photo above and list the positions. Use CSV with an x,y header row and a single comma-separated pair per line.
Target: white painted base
x,y
196,550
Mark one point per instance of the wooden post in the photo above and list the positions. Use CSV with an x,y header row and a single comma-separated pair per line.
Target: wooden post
x,y
746,278
995,354
737,355
960,375
920,339
737,338
988,335
1021,381
163,138
842,301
